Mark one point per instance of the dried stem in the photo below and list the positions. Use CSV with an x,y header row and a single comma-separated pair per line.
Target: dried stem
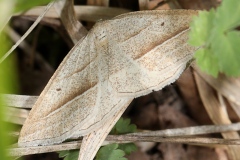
x,y
124,139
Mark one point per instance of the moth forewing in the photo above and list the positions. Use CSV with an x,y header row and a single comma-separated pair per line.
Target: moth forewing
x,y
152,52
68,101
128,56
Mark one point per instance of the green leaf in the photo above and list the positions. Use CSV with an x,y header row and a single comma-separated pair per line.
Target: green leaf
x,y
227,15
8,84
63,154
207,62
227,47
199,34
123,126
110,152
128,148
69,155
21,5
215,32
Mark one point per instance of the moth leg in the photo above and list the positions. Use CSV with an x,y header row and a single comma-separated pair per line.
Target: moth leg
x,y
92,142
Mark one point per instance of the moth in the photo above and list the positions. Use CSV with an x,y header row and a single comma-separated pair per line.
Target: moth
x,y
120,59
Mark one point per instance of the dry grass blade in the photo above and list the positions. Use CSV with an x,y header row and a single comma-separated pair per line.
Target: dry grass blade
x,y
85,13
227,86
98,2
75,29
5,23
89,149
28,31
15,151
105,2
185,140
143,4
235,107
15,115
19,101
123,139
188,131
27,48
15,112
217,112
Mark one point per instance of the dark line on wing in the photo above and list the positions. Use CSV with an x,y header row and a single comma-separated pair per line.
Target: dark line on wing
x,y
153,46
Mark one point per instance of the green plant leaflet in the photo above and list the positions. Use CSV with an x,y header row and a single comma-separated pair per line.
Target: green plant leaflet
x,y
110,152
128,148
69,155
217,35
123,126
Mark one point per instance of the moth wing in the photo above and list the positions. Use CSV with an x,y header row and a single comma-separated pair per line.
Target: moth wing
x,y
68,102
149,50
117,56
77,100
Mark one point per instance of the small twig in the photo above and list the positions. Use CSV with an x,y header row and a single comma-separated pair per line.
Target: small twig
x,y
123,139
185,140
190,131
85,13
44,149
187,131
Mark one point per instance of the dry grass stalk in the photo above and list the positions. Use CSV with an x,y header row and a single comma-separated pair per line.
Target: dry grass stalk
x,y
211,142
84,13
217,113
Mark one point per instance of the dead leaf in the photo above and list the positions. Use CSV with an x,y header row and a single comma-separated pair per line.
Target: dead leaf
x,y
217,112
